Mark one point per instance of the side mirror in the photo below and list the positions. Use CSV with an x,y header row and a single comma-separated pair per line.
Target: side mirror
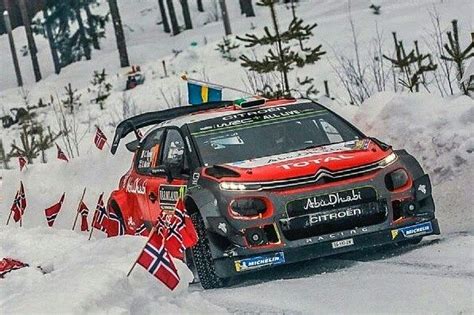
x,y
133,146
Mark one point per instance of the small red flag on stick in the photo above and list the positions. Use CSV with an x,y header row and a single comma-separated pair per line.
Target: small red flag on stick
x,y
22,161
52,212
100,139
61,155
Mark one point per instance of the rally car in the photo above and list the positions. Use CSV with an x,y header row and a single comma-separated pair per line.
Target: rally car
x,y
270,182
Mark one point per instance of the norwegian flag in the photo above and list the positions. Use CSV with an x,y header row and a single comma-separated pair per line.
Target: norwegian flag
x,y
157,261
52,212
84,211
100,220
100,139
19,204
181,232
61,155
116,226
16,208
22,161
8,264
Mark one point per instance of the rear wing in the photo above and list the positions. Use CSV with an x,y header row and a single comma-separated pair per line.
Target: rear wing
x,y
153,118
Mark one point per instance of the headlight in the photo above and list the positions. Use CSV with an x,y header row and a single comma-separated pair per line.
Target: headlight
x,y
388,160
238,186
248,207
396,179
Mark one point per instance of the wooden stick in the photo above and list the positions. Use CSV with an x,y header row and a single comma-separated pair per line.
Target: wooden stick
x,y
10,215
136,260
78,207
92,228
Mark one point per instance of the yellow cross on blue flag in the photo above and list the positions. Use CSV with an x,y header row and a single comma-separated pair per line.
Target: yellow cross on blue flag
x,y
198,94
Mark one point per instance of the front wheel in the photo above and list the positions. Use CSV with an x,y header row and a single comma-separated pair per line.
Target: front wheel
x,y
202,256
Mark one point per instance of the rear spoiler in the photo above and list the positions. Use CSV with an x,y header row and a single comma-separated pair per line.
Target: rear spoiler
x,y
153,118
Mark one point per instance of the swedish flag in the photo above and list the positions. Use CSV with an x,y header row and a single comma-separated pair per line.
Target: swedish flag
x,y
198,94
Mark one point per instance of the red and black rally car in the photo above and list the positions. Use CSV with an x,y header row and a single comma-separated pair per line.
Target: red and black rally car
x,y
269,183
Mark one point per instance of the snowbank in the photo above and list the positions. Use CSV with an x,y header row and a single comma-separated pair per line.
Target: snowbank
x,y
439,132
86,277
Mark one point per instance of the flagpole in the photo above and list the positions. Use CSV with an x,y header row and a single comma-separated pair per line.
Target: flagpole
x,y
185,78
10,215
21,209
136,260
78,207
92,223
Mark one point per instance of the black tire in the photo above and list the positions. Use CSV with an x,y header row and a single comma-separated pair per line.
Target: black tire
x,y
202,257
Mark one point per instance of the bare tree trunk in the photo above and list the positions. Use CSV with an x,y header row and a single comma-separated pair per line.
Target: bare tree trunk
x,y
199,5
82,31
31,39
246,8
174,20
92,27
164,18
6,19
119,36
225,17
187,17
284,69
52,44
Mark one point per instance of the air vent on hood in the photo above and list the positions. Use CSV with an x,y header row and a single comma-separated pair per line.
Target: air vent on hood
x,y
218,171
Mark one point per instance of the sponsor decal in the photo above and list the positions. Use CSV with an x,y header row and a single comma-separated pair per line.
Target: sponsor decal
x,y
319,161
131,223
168,196
333,216
332,200
342,243
223,227
340,199
259,261
394,234
422,188
413,230
195,178
136,186
285,157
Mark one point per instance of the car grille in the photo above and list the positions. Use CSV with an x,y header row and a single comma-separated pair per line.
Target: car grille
x,y
321,177
335,212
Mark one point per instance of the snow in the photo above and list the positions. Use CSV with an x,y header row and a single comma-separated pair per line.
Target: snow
x,y
89,276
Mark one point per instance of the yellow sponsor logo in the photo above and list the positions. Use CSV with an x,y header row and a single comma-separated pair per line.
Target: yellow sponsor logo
x,y
394,234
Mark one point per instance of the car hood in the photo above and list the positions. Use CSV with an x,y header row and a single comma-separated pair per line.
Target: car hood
x,y
307,162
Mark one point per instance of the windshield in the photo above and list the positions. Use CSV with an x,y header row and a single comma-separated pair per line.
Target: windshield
x,y
268,131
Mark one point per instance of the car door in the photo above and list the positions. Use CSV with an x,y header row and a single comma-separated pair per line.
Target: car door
x,y
144,185
171,174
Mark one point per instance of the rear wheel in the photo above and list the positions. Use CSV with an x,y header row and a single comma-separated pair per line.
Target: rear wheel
x,y
202,256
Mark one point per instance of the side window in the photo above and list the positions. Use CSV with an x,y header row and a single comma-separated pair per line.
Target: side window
x,y
173,150
331,132
149,153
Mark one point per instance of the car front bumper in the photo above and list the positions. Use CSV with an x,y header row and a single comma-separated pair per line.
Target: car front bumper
x,y
236,265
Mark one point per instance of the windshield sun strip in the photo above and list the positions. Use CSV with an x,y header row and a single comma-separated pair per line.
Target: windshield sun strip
x,y
258,123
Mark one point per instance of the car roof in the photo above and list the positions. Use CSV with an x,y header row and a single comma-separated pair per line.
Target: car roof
x,y
224,111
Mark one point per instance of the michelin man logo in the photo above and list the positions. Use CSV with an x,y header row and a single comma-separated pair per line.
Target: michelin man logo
x,y
422,188
223,227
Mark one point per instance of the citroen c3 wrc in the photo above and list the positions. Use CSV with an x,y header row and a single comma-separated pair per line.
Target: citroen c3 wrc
x,y
270,182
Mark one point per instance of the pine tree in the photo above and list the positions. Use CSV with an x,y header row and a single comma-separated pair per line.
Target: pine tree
x,y
72,100
164,17
186,15
119,36
226,47
412,66
31,40
456,54
173,19
246,8
100,87
199,6
281,58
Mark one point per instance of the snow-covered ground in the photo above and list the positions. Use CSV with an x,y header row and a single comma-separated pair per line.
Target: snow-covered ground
x,y
83,276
